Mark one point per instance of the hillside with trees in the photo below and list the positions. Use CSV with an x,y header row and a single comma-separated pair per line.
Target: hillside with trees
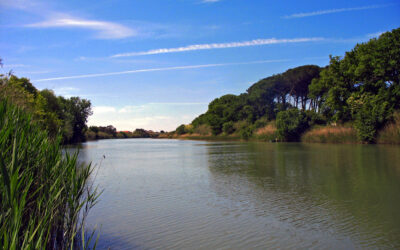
x,y
358,93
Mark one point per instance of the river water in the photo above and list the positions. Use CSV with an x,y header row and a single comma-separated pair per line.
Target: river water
x,y
182,194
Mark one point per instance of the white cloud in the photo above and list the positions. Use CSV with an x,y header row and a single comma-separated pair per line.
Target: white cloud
x,y
209,46
155,69
324,12
154,116
16,65
105,30
376,34
210,1
103,110
65,91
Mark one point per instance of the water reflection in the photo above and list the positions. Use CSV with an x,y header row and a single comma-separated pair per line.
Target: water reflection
x,y
331,195
234,195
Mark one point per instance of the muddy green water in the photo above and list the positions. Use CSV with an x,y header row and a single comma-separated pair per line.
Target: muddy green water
x,y
172,194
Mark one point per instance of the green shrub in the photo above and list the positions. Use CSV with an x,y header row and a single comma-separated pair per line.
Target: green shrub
x,y
180,130
390,134
45,193
228,128
246,133
202,129
370,114
291,124
260,123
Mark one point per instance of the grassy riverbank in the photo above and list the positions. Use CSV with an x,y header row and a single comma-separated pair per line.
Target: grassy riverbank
x,y
45,193
339,134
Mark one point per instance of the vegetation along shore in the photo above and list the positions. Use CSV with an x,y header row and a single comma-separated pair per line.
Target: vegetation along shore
x,y
355,99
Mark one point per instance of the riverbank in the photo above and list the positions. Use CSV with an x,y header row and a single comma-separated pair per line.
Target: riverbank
x,y
339,134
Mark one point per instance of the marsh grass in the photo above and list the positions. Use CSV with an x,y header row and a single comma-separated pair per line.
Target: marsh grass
x,y
267,133
331,134
45,193
390,134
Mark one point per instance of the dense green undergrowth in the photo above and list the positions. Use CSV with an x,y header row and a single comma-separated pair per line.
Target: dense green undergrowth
x,y
45,193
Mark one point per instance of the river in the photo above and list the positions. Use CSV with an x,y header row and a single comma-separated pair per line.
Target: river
x,y
182,194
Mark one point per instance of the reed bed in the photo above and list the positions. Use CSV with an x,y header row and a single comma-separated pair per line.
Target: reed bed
x,y
331,134
267,133
45,193
390,134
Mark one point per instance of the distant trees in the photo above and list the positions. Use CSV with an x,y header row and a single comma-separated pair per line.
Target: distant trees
x,y
263,100
361,88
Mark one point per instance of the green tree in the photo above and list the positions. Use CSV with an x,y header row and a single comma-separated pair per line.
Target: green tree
x,y
291,124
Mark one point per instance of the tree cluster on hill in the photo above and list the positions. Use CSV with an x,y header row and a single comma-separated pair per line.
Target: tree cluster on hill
x,y
362,88
54,113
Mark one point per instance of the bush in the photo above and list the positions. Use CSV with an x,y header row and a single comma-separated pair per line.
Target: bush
x,y
246,133
90,135
180,130
262,122
228,128
390,134
202,129
369,115
45,193
291,124
189,129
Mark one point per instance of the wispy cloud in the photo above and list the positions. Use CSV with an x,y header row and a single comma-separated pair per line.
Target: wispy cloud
x,y
66,91
16,65
156,69
376,34
210,1
209,46
331,11
105,30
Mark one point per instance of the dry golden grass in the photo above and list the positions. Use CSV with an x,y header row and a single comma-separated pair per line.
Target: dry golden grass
x,y
331,134
269,129
390,134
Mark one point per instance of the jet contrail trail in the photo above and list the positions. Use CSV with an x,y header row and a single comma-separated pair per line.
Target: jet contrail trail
x,y
156,69
208,46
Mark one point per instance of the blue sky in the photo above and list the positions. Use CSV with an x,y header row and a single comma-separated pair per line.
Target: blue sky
x,y
156,64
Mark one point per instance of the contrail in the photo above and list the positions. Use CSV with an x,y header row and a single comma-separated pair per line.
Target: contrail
x,y
156,69
324,12
209,46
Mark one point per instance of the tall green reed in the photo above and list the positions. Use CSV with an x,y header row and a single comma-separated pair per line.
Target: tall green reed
x,y
45,193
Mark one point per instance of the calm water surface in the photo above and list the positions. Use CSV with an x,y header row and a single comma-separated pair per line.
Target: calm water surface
x,y
172,194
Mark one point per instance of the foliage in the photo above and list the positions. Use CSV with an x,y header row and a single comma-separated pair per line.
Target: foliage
x,y
363,87
228,127
390,134
370,115
45,193
53,113
180,130
291,124
245,133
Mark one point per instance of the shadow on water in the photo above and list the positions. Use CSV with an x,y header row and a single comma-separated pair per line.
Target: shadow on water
x,y
348,193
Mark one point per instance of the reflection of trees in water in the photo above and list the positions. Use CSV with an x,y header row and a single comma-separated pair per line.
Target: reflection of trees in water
x,y
352,190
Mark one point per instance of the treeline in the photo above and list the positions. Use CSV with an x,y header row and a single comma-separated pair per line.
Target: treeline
x,y
110,132
55,114
359,90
